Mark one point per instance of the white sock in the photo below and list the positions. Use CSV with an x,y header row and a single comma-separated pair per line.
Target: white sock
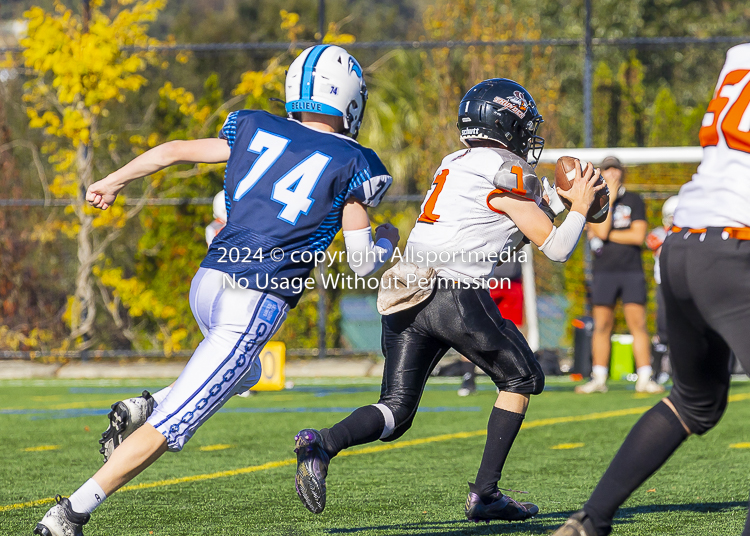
x,y
600,372
88,497
644,372
390,422
159,396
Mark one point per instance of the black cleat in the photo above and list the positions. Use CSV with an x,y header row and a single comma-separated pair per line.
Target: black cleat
x,y
312,469
61,520
124,419
501,507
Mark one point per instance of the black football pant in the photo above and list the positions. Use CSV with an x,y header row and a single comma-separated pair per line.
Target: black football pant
x,y
468,320
706,283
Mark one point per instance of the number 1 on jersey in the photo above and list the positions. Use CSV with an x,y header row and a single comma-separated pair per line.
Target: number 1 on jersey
x,y
428,216
518,172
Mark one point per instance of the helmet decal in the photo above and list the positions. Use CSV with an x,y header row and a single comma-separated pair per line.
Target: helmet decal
x,y
510,106
354,66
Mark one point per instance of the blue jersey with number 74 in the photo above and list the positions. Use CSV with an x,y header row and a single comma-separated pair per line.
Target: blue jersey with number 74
x,y
285,186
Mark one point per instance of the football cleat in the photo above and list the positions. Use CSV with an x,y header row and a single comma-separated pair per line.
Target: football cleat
x,y
61,520
468,386
595,385
124,419
647,385
502,507
312,469
578,524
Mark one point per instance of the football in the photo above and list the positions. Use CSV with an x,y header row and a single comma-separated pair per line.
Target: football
x,y
565,173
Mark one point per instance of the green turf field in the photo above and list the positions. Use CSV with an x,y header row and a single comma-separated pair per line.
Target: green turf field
x,y
236,476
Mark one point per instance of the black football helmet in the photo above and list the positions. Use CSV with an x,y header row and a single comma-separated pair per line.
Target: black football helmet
x,y
501,110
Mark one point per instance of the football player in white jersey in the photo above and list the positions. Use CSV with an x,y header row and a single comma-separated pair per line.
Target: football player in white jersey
x,y
481,197
705,277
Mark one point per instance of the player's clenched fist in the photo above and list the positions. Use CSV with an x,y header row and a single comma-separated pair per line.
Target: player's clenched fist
x,y
389,232
102,194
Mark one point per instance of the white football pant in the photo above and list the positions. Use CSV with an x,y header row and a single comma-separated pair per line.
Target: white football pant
x,y
236,324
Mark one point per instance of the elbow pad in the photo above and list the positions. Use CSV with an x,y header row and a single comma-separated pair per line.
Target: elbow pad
x,y
561,242
365,257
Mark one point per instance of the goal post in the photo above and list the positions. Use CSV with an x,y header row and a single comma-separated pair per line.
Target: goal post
x,y
655,173
628,155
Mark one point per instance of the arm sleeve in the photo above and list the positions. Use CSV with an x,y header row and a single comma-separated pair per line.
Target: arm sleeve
x,y
561,242
365,257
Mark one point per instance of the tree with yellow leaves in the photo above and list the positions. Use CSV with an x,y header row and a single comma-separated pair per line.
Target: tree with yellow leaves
x,y
81,67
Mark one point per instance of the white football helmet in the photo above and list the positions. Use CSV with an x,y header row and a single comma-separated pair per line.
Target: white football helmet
x,y
220,207
667,211
325,79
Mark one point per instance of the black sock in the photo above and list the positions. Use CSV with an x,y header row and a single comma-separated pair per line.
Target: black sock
x,y
501,432
649,444
746,531
364,425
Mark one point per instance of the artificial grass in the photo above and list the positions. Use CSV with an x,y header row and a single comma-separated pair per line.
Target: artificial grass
x,y
415,490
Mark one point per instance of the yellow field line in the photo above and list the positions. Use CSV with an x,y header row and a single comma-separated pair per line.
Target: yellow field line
x,y
587,417
739,397
367,450
88,404
210,476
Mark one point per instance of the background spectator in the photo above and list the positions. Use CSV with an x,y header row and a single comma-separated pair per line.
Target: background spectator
x,y
618,273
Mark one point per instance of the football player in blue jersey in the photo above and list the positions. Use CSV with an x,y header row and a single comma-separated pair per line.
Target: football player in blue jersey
x,y
290,185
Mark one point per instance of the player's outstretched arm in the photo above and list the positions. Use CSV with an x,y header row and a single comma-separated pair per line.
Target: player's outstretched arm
x,y
364,255
557,243
102,194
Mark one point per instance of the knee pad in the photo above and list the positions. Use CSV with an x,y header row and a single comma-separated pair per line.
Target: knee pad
x,y
700,415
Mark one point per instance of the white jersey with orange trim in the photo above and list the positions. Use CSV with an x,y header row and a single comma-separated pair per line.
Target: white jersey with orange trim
x,y
719,194
458,233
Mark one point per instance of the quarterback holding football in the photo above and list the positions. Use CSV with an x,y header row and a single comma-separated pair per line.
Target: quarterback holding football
x,y
484,198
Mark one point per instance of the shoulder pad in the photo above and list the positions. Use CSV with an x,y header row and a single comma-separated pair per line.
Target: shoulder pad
x,y
516,176
369,185
370,191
